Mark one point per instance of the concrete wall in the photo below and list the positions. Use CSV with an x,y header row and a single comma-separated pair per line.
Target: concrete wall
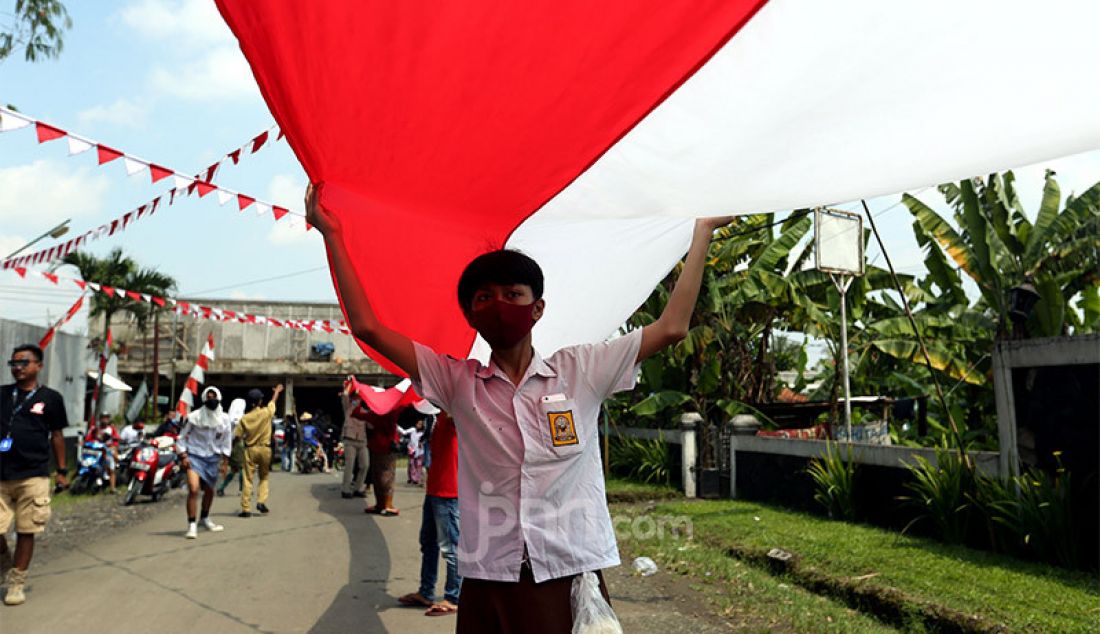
x,y
64,365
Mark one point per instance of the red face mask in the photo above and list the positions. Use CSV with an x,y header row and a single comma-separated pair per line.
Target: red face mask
x,y
503,325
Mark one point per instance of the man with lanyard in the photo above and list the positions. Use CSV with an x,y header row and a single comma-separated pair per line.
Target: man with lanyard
x,y
31,419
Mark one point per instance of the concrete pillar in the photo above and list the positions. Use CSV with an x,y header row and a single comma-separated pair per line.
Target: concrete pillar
x,y
288,404
689,422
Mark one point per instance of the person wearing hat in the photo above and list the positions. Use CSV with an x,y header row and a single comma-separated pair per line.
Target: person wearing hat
x,y
311,439
255,429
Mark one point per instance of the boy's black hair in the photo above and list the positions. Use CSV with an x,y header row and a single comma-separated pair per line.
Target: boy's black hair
x,y
31,348
503,266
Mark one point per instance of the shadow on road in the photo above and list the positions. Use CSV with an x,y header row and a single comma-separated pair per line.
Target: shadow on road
x,y
356,606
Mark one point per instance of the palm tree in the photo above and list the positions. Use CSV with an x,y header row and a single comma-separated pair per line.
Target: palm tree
x,y
122,272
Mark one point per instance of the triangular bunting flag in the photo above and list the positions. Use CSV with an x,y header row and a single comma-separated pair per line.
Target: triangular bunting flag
x,y
107,289
259,141
262,208
50,276
9,121
76,146
133,166
279,211
244,201
204,188
159,301
235,155
81,283
134,296
106,154
181,181
157,172
47,132
224,196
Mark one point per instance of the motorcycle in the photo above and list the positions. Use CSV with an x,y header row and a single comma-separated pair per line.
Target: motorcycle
x,y
93,468
153,470
338,457
126,454
308,458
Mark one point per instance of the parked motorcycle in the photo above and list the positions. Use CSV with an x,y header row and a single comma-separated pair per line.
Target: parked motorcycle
x,y
153,470
93,468
125,457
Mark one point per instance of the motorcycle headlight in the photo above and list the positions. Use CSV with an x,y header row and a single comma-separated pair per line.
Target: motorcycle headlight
x,y
88,461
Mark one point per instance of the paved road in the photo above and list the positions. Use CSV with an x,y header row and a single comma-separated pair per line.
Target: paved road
x,y
317,563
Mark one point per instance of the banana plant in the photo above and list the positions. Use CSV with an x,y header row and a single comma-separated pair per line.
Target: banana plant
x,y
995,243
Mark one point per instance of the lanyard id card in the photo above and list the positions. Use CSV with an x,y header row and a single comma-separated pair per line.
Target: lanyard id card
x,y
6,442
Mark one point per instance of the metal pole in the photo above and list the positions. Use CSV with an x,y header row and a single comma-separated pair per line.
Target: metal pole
x,y
842,287
56,232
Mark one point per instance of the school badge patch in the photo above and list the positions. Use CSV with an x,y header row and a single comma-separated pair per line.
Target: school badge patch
x,y
562,430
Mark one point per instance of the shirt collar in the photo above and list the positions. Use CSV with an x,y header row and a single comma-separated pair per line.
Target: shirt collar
x,y
538,366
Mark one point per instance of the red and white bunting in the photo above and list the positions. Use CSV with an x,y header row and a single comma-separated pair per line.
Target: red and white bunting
x,y
183,185
197,377
73,310
189,309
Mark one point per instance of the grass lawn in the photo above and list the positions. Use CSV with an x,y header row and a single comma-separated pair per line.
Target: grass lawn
x,y
932,582
622,490
750,599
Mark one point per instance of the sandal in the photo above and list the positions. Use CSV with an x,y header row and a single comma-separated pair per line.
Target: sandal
x,y
441,609
389,512
414,599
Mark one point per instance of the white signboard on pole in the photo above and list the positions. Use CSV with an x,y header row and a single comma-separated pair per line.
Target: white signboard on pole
x,y
838,242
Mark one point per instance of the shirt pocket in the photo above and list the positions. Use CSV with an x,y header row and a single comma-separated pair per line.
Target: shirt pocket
x,y
558,428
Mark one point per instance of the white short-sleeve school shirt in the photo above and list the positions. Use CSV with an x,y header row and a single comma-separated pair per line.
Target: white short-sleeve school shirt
x,y
529,468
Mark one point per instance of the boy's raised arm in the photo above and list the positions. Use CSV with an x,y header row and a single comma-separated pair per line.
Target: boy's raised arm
x,y
363,322
672,326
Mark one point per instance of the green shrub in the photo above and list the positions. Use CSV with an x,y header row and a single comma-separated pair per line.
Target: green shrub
x,y
834,478
1038,510
642,459
942,492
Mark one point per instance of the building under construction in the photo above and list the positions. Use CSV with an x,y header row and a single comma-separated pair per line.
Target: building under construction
x,y
312,364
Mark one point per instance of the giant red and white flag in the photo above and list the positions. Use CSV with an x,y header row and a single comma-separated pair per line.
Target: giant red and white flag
x,y
587,133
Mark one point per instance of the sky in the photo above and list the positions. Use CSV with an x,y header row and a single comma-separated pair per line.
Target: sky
x,y
164,80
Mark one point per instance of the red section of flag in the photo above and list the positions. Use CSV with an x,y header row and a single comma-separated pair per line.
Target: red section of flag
x,y
134,296
157,172
81,283
50,276
107,289
106,154
478,132
159,301
244,201
204,188
236,156
47,132
279,211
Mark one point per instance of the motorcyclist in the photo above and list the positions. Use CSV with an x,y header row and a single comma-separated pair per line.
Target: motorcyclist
x,y
106,433
311,439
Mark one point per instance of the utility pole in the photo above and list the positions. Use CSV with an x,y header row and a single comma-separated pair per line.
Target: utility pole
x,y
156,361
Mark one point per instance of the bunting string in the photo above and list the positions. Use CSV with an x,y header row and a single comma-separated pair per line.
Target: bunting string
x,y
189,309
183,185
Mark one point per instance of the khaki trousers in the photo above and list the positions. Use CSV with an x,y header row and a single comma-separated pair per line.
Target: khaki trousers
x,y
255,459
355,461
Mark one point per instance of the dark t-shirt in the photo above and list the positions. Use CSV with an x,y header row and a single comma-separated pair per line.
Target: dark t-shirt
x,y
44,412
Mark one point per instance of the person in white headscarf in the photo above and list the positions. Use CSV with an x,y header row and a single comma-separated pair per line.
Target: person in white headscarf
x,y
236,456
204,444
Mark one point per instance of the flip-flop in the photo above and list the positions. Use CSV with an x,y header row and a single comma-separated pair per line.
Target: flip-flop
x,y
439,609
389,513
373,510
413,600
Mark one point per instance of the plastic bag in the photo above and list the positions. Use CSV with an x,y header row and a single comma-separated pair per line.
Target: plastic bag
x,y
591,613
645,566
